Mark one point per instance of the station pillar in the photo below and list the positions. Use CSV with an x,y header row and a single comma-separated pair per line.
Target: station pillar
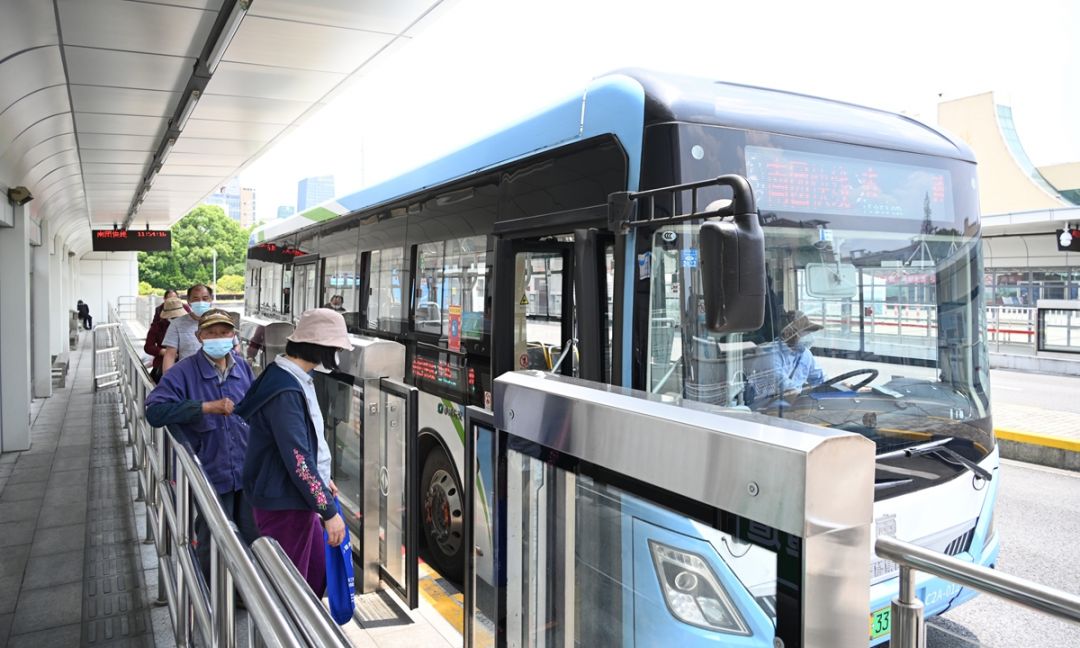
x,y
41,312
58,330
15,331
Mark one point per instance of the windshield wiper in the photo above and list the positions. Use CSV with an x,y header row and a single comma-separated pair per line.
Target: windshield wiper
x,y
886,484
945,454
938,450
915,450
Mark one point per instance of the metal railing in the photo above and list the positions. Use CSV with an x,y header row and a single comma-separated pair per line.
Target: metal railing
x,y
908,624
106,358
174,488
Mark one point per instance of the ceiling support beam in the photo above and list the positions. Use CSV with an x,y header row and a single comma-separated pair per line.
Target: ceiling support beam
x,y
228,21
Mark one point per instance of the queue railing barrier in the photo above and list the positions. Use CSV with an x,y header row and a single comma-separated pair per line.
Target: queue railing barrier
x,y
175,489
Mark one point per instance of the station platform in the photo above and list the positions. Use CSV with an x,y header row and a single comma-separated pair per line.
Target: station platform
x,y
74,569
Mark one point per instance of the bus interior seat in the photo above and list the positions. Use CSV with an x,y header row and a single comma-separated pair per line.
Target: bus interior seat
x,y
761,374
538,355
717,370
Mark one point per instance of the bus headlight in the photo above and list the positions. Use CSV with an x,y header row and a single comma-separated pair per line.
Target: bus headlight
x,y
692,591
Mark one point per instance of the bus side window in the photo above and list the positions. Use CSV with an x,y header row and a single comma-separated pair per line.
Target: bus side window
x,y
451,278
386,309
340,279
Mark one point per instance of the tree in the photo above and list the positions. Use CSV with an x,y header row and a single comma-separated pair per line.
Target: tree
x,y
230,284
194,238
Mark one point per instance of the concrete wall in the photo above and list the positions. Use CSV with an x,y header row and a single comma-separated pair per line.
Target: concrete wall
x,y
104,276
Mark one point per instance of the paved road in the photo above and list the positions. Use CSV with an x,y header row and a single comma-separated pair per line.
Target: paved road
x,y
1038,517
1037,390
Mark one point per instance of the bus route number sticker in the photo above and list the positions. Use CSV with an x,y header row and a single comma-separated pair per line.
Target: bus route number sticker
x,y
689,258
523,361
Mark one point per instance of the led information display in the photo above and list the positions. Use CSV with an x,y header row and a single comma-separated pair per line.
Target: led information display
x,y
812,183
119,240
273,253
442,372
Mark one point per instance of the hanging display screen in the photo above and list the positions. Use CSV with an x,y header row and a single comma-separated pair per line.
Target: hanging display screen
x,y
274,253
121,240
813,183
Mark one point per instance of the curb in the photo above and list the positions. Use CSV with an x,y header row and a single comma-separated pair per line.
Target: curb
x,y
1042,449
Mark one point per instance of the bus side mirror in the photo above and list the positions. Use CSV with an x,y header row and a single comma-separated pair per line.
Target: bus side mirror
x,y
733,266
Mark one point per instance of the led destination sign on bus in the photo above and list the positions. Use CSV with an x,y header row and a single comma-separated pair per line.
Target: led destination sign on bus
x,y
121,240
812,183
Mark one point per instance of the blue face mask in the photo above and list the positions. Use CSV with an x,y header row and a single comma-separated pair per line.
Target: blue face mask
x,y
200,307
218,348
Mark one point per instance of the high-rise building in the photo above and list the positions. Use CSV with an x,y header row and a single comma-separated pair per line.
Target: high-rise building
x,y
284,211
314,190
247,207
238,202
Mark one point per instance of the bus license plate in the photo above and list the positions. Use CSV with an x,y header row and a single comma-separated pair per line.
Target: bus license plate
x,y
880,622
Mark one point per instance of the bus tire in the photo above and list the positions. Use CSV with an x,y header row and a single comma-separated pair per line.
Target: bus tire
x,y
442,503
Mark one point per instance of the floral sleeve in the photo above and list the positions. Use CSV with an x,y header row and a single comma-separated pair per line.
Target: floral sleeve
x,y
314,484
291,428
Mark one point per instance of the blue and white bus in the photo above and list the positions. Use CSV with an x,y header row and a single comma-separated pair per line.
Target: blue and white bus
x,y
503,256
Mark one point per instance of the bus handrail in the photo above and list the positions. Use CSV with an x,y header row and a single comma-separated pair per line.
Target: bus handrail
x,y
908,624
170,481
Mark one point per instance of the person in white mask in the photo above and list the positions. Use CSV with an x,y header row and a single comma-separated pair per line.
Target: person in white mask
x,y
180,340
794,368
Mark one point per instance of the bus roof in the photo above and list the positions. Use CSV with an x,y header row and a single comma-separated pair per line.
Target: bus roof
x,y
621,104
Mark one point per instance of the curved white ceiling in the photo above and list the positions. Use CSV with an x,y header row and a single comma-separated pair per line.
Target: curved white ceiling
x,y
90,88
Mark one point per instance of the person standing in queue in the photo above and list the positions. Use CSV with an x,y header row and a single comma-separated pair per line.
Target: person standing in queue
x,y
286,470
197,399
169,294
180,339
170,310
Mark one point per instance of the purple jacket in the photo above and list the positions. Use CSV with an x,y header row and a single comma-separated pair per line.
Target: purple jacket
x,y
219,441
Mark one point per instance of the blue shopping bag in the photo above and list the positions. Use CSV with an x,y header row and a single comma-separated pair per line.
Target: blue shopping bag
x,y
340,587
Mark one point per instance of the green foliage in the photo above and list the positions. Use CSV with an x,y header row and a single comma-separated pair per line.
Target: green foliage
x,y
230,283
194,238
146,289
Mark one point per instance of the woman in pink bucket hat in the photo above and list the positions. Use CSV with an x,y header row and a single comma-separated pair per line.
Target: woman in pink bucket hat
x,y
287,465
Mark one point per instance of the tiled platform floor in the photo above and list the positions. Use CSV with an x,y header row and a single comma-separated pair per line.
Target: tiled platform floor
x,y
71,568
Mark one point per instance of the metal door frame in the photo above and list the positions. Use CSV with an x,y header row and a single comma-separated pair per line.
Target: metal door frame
x,y
375,410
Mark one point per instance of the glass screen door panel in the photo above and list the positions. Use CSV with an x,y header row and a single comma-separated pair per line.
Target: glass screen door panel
x,y
399,475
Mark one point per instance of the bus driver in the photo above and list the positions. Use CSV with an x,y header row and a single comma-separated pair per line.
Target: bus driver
x,y
793,368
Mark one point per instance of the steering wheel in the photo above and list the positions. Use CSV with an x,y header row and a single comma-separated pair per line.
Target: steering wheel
x,y
871,375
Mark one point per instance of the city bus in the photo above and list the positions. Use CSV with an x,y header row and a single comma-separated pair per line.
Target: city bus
x,y
512,254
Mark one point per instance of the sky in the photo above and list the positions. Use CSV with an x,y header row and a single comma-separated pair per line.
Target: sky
x,y
478,65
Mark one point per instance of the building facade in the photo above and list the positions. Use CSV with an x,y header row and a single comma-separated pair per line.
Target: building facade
x,y
314,190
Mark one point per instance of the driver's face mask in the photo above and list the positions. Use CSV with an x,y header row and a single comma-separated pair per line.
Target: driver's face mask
x,y
806,341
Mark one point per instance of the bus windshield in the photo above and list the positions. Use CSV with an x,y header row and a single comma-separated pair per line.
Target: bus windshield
x,y
874,321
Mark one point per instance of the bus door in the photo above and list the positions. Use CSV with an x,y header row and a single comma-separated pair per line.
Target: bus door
x,y
544,336
305,286
552,304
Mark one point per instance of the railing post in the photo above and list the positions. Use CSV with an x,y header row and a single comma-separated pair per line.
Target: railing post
x,y
908,624
221,594
183,588
164,544
93,359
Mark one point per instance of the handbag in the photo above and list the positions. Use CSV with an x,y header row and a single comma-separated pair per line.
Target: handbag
x,y
340,586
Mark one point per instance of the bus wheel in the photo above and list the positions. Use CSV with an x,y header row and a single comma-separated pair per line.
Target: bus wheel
x,y
443,515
